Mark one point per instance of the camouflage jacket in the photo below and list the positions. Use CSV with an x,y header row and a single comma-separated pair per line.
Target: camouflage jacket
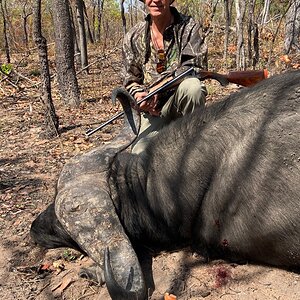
x,y
184,47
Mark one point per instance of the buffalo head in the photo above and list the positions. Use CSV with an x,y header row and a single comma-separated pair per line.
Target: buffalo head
x,y
84,207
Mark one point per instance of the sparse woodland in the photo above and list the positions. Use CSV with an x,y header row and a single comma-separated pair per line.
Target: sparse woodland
x,y
73,37
59,61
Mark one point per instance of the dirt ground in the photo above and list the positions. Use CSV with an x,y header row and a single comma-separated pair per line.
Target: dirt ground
x,y
29,167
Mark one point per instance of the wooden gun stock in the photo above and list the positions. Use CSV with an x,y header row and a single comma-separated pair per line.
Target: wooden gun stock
x,y
244,78
247,78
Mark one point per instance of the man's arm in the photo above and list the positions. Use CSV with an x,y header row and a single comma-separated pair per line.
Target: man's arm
x,y
194,48
132,68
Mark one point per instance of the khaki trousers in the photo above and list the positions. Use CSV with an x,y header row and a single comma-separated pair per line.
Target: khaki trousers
x,y
191,93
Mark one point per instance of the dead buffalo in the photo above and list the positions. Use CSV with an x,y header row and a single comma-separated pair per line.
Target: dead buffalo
x,y
224,181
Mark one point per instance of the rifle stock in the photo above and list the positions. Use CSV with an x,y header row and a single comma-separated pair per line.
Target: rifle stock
x,y
247,78
244,78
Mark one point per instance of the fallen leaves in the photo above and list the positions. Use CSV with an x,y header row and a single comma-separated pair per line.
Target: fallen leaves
x,y
285,58
290,61
59,287
168,296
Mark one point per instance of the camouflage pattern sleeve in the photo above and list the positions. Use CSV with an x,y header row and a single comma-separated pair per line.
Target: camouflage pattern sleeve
x,y
193,47
133,69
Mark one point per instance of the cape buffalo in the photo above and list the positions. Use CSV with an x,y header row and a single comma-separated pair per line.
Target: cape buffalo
x,y
224,181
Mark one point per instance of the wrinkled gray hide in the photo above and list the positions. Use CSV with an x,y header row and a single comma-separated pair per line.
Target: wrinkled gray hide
x,y
226,181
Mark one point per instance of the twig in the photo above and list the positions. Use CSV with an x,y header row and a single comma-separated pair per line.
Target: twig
x,y
10,82
22,76
87,295
97,60
43,288
35,48
227,294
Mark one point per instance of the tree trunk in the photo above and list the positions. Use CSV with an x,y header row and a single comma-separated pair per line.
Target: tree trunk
x,y
64,53
25,16
5,33
227,26
292,28
51,118
255,45
123,16
252,32
75,38
265,12
136,11
100,4
94,21
131,14
86,18
82,35
240,49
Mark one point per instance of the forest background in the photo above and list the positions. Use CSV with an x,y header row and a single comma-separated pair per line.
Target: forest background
x,y
240,34
59,61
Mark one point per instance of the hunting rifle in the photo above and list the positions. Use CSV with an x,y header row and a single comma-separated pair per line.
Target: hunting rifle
x,y
244,78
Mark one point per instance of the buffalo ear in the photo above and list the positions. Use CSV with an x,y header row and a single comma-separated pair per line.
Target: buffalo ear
x,y
47,231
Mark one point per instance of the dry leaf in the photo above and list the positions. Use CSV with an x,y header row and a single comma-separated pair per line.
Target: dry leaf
x,y
46,267
58,289
169,297
285,58
58,264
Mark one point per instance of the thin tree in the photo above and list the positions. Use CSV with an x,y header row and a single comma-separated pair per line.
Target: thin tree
x,y
136,11
131,14
123,16
5,33
255,57
75,34
227,27
82,35
292,28
277,31
88,27
25,16
252,41
265,12
240,49
51,119
100,4
94,20
64,53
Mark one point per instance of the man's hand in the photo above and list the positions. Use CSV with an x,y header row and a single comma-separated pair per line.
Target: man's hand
x,y
149,105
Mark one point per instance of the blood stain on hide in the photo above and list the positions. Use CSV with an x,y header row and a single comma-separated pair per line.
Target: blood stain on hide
x,y
225,243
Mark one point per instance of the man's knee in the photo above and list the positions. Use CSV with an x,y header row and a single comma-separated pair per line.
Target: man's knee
x,y
192,87
191,93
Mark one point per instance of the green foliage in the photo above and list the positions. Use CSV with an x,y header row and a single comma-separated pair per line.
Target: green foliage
x,y
69,255
112,10
6,69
